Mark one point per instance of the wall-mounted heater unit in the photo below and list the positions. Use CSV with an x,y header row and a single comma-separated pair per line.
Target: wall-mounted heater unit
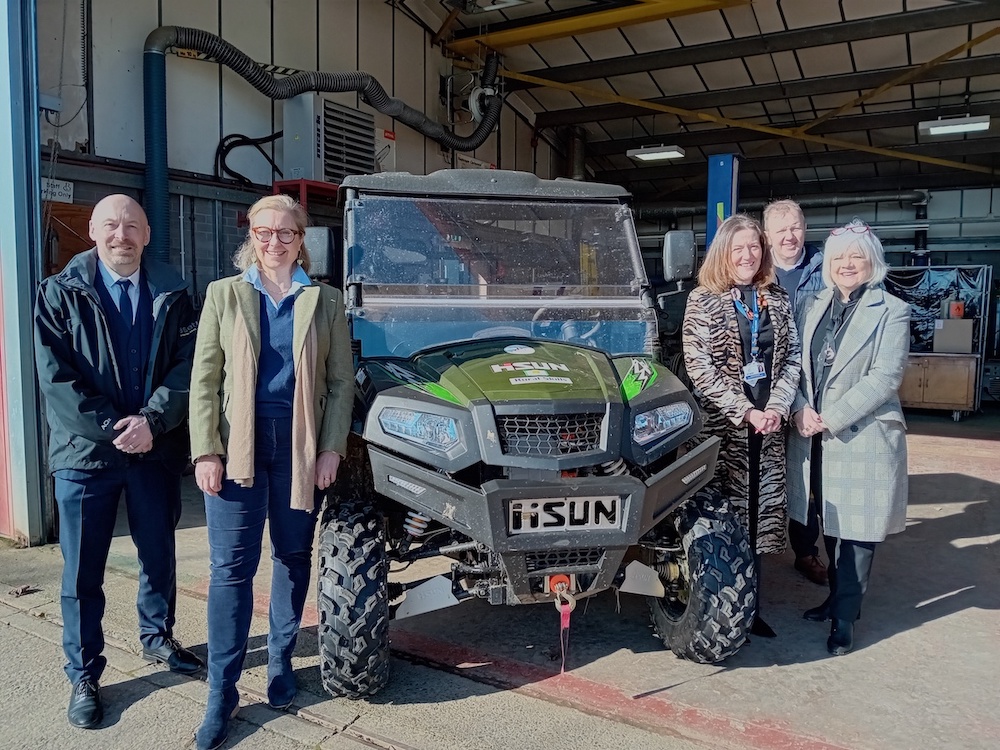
x,y
326,141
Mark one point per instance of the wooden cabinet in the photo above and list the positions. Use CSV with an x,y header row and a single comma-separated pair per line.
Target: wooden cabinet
x,y
940,381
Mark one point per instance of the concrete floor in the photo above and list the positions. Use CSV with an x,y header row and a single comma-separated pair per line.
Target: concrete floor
x,y
925,672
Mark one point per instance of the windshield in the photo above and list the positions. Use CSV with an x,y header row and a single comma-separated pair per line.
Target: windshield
x,y
436,271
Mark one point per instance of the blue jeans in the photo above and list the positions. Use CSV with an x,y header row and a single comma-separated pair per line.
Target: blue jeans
x,y
88,506
235,530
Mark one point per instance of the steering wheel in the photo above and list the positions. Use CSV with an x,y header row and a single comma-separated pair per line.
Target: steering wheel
x,y
569,328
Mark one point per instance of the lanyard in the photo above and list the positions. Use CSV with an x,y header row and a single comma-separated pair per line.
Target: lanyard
x,y
752,314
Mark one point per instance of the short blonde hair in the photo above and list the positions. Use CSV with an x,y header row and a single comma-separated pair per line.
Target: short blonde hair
x,y
858,235
780,208
716,273
246,256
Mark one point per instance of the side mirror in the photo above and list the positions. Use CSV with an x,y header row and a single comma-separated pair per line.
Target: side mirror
x,y
679,255
319,245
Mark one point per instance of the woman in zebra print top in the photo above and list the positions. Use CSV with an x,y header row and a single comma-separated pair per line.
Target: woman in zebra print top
x,y
742,355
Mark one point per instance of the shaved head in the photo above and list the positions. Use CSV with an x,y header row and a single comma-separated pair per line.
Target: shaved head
x,y
120,230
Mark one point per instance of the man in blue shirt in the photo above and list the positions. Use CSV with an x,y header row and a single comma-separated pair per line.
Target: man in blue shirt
x,y
799,270
114,341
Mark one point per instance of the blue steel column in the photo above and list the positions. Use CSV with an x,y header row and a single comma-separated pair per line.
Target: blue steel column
x,y
20,242
723,191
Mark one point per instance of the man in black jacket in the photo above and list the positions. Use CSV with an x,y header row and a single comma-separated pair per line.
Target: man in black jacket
x,y
114,340
799,270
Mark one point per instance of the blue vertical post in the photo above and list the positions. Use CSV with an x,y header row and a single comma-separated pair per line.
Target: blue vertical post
x,y
20,243
723,191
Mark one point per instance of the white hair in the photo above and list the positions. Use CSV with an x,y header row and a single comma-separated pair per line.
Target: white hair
x,y
855,236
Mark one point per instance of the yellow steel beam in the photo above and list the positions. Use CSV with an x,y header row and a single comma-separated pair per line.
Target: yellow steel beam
x,y
643,11
446,26
778,132
901,79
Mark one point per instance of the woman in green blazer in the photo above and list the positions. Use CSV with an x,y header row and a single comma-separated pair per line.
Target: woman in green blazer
x,y
272,389
848,453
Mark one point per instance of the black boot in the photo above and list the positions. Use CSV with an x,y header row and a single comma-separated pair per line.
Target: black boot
x,y
761,629
820,613
214,730
841,640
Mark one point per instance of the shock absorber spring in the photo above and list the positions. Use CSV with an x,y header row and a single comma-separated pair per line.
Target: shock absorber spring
x,y
416,524
614,468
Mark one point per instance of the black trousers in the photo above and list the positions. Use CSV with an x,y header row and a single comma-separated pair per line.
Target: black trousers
x,y
849,571
755,443
850,561
803,536
88,506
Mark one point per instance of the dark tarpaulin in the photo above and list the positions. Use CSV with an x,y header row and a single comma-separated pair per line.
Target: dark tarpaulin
x,y
926,288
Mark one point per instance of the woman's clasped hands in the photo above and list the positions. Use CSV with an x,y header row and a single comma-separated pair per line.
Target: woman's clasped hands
x,y
764,422
808,422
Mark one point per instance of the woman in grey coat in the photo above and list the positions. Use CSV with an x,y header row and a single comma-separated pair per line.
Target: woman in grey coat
x,y
848,453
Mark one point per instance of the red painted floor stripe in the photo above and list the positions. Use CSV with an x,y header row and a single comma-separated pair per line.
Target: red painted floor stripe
x,y
593,698
261,601
651,712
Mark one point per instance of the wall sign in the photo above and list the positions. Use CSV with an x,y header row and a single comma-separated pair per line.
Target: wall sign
x,y
59,191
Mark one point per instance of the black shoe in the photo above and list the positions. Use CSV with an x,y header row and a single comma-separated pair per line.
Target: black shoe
x,y
174,656
841,640
85,709
761,629
818,614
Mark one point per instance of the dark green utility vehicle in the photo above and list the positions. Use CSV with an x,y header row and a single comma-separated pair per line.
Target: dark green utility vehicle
x,y
512,415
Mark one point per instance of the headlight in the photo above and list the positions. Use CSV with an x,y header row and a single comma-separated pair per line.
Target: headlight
x,y
650,425
430,431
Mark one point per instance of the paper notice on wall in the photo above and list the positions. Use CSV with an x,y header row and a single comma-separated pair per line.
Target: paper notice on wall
x,y
58,191
463,161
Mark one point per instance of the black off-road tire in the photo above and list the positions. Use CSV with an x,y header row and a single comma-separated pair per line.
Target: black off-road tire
x,y
353,601
711,621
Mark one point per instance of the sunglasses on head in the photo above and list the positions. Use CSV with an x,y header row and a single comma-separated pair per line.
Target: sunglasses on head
x,y
855,227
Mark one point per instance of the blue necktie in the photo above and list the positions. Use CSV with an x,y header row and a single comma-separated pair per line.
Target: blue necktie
x,y
124,300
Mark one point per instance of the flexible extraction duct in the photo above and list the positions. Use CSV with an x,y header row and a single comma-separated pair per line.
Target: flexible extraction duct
x,y
656,211
155,108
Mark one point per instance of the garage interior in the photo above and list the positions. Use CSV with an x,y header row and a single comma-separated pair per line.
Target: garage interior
x,y
829,102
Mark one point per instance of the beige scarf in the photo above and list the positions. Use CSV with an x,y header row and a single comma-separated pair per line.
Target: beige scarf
x,y
304,425
239,451
239,463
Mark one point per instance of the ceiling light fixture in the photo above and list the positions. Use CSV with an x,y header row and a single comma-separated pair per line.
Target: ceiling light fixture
x,y
483,6
954,125
655,153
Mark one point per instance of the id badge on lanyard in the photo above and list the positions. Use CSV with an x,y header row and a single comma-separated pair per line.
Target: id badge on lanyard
x,y
754,369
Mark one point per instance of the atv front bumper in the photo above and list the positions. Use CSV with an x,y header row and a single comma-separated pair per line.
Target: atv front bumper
x,y
580,526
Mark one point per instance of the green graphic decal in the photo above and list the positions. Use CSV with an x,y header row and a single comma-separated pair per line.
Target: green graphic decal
x,y
639,377
411,380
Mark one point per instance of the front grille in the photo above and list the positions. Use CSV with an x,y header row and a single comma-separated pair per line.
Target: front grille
x,y
563,559
549,434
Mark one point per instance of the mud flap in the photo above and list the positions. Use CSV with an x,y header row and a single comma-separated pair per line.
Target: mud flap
x,y
434,593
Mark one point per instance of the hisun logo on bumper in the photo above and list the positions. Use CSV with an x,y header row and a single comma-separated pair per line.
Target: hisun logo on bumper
x,y
551,514
516,366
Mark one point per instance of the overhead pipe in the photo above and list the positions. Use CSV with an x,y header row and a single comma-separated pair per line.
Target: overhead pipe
x,y
157,196
658,211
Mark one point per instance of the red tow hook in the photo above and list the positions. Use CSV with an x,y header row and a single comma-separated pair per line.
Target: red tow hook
x,y
565,602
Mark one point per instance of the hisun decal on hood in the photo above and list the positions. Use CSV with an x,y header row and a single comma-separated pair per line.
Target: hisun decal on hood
x,y
550,371
535,372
